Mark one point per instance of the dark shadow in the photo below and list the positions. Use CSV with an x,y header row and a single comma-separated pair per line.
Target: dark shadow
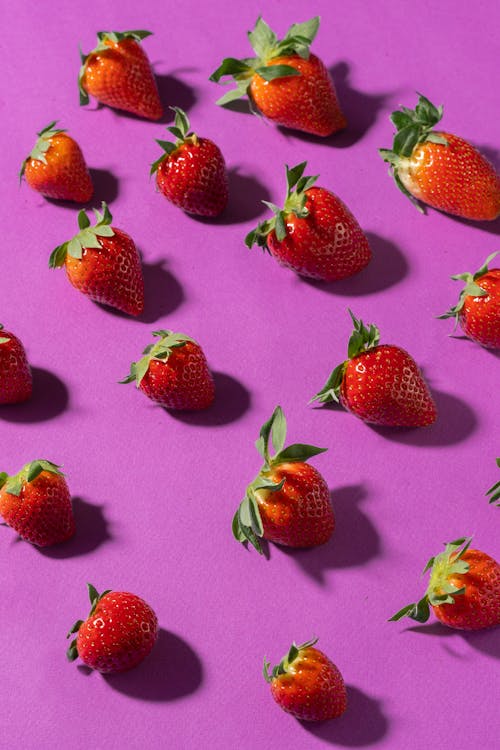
x,y
492,154
175,93
487,641
106,186
232,400
91,532
246,194
242,106
49,400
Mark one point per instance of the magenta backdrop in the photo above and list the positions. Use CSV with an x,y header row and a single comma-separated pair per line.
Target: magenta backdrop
x,y
156,493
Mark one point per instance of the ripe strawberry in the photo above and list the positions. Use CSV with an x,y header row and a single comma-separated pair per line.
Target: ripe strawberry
x,y
15,373
118,73
102,262
174,373
56,167
307,684
494,492
463,591
118,634
478,308
36,503
439,168
288,502
191,173
380,384
285,82
314,234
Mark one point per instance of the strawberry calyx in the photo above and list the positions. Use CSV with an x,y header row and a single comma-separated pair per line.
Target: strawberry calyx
x,y
181,130
286,664
3,339
161,350
494,492
15,483
471,289
87,237
95,598
41,146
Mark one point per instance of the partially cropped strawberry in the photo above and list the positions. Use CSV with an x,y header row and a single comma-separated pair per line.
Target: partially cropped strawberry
x,y
285,82
191,173
118,634
288,502
118,73
440,168
56,167
174,373
494,492
307,684
463,591
379,383
36,503
15,373
314,234
102,262
478,308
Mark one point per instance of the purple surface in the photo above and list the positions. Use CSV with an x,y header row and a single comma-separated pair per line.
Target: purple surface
x,y
157,493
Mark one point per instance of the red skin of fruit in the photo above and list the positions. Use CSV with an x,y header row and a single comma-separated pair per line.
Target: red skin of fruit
x,y
15,373
307,102
65,175
480,316
182,382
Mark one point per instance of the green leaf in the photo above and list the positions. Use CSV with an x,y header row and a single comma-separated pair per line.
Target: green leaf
x,y
262,38
230,66
426,112
278,435
280,226
405,140
236,528
271,72
93,594
3,478
401,119
297,452
436,138
74,248
331,389
306,30
72,652
76,627
262,443
294,174
231,96
34,470
83,220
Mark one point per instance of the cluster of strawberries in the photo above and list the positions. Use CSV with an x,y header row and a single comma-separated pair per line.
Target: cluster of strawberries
x,y
315,235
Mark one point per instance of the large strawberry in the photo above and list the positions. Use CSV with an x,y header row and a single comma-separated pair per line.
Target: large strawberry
x,y
36,503
288,502
284,82
191,173
102,262
314,234
494,492
440,168
15,373
56,167
118,634
379,383
118,73
463,591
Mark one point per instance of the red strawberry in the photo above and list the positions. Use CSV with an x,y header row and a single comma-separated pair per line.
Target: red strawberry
x,y
463,591
118,73
174,373
285,82
380,384
478,308
15,373
494,492
307,684
118,634
288,503
56,167
315,234
191,173
36,503
441,169
102,262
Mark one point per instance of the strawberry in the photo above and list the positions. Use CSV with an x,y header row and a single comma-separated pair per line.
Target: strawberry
x,y
439,168
174,373
118,634
314,234
463,591
288,502
102,262
284,82
191,173
379,383
36,503
118,73
478,308
307,684
56,167
494,492
15,373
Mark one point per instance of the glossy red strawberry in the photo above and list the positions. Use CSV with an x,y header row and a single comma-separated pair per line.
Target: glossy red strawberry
x,y
15,373
307,684
102,262
288,502
36,503
494,492
118,634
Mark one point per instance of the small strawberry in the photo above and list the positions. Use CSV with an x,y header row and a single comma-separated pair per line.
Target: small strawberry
x,y
118,634
463,591
494,492
56,167
102,262
174,373
36,503
118,73
15,373
288,502
439,168
307,684
191,173
284,82
478,308
314,234
379,383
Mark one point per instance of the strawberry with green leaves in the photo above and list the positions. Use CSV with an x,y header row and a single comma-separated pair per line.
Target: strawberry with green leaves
x,y
16,382
494,492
